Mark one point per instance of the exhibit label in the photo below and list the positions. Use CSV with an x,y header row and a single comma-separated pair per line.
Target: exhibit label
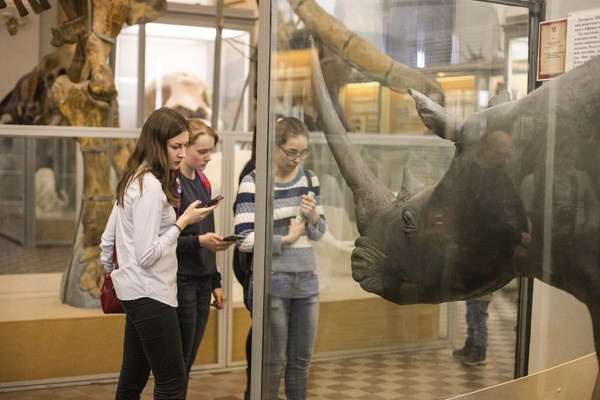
x,y
583,37
552,49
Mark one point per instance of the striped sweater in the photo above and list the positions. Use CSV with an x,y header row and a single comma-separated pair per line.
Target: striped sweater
x,y
299,256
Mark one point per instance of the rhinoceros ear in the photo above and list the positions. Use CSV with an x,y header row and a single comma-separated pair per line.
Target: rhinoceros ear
x,y
436,118
410,184
503,96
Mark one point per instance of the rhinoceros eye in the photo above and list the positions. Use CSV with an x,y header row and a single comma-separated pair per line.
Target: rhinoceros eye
x,y
410,223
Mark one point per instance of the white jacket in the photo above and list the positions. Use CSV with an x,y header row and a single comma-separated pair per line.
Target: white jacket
x,y
146,244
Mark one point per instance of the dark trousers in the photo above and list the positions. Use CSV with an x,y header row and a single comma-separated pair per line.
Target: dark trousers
x,y
193,297
152,342
248,293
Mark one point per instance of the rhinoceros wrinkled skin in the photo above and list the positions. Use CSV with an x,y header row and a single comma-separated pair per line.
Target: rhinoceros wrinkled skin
x,y
472,232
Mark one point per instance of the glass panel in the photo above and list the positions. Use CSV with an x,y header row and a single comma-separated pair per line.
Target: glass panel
x,y
182,54
12,196
241,262
563,204
51,217
55,191
235,67
126,75
179,61
418,247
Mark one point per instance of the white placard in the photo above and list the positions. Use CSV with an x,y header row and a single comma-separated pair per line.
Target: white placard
x,y
583,37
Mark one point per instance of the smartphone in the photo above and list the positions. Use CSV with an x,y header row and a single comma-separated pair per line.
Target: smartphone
x,y
212,202
232,238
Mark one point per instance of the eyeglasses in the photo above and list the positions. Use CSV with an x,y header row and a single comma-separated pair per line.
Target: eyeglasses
x,y
293,154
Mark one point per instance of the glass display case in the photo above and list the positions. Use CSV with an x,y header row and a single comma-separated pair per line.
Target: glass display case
x,y
179,63
40,193
426,198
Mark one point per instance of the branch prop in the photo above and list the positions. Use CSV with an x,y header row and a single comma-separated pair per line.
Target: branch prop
x,y
359,53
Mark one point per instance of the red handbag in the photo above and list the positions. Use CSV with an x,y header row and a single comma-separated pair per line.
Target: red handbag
x,y
108,297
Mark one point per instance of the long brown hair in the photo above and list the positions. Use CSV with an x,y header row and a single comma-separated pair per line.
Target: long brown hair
x,y
150,154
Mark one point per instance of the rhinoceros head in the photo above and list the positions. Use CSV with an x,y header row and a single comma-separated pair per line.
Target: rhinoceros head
x,y
455,240
466,236
378,210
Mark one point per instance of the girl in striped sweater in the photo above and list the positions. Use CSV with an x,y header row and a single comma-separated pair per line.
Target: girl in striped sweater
x,y
294,283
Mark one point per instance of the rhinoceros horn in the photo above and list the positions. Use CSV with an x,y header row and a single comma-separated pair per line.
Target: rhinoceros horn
x,y
436,117
410,184
370,195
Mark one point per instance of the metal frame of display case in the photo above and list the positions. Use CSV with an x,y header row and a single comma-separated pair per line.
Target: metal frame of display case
x,y
264,185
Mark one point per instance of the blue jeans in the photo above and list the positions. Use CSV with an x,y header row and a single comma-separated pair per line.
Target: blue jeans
x,y
293,332
477,316
194,308
152,342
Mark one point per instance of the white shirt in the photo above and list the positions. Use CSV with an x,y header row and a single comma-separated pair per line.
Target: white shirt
x,y
146,241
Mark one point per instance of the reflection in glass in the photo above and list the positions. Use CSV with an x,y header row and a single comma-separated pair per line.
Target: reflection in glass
x,y
179,72
456,50
11,187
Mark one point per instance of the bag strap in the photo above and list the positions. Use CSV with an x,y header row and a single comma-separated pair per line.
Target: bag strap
x,y
205,183
308,175
114,257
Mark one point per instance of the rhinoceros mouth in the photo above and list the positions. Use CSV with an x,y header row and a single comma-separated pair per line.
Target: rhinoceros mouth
x,y
367,265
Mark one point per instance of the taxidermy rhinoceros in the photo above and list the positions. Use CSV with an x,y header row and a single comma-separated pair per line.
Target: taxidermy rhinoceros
x,y
473,232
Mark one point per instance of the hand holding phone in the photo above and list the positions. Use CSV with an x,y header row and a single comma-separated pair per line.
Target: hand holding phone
x,y
212,202
300,217
232,238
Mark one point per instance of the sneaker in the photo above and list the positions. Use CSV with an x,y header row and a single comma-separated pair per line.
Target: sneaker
x,y
461,353
475,357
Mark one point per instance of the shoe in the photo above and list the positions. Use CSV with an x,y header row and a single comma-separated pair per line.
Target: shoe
x,y
475,357
460,353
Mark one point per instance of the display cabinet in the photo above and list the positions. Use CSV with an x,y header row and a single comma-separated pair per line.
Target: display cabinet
x,y
380,83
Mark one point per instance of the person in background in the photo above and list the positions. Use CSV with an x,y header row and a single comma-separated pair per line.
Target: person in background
x,y
144,228
294,281
492,201
474,351
197,275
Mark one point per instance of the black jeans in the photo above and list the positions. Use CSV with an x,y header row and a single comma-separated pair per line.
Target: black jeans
x,y
193,297
152,342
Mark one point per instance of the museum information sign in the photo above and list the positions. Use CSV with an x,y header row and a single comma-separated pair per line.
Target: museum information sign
x,y
552,49
583,37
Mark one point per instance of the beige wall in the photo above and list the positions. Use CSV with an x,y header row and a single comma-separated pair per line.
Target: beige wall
x,y
560,8
19,52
